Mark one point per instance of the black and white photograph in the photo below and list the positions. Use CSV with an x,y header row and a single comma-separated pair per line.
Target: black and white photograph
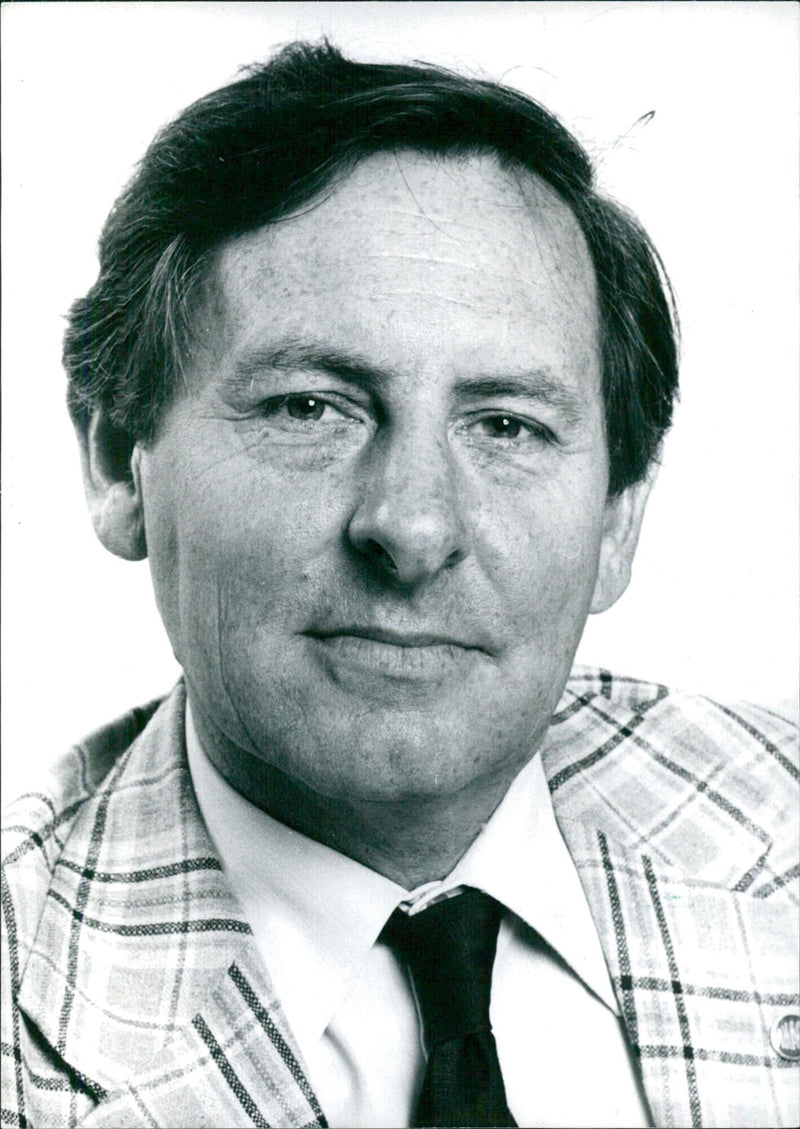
x,y
401,564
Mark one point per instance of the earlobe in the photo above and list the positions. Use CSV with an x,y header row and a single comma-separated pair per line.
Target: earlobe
x,y
112,482
622,524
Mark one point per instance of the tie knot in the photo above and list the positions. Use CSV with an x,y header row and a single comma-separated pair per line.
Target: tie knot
x,y
449,948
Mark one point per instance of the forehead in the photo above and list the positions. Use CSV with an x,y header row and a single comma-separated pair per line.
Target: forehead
x,y
421,255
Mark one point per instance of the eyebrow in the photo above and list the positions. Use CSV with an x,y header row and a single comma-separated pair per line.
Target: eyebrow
x,y
293,355
536,384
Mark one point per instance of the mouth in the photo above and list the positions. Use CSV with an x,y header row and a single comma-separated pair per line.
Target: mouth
x,y
405,639
405,655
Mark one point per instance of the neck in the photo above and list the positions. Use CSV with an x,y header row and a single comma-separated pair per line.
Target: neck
x,y
411,842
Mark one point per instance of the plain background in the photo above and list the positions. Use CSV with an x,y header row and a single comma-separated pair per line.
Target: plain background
x,y
713,175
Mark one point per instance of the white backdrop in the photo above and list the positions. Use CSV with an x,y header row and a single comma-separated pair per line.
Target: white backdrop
x,y
713,176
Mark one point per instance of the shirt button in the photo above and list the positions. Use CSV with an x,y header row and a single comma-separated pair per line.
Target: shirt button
x,y
785,1037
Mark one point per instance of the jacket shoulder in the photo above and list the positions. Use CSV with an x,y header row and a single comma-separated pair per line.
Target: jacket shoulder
x,y
705,730
679,768
35,829
36,824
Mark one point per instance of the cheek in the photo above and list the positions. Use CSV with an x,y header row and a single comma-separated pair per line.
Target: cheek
x,y
228,534
543,554
161,517
268,532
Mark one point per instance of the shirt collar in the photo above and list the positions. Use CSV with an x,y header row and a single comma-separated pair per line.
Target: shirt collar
x,y
316,913
522,861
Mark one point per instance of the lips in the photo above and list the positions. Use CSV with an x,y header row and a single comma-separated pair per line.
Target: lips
x,y
401,657
411,639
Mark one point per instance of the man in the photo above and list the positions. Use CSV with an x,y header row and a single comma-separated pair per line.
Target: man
x,y
377,381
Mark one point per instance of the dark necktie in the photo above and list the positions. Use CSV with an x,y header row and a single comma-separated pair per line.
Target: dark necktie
x,y
449,948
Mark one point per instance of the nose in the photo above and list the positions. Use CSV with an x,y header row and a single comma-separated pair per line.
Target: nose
x,y
411,522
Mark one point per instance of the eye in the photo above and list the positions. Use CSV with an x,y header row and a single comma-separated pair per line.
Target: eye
x,y
504,426
501,427
305,407
311,417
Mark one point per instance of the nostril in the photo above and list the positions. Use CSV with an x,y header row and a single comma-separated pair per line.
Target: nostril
x,y
380,556
409,533
455,558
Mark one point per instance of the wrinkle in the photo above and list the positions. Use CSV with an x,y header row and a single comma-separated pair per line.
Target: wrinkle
x,y
231,698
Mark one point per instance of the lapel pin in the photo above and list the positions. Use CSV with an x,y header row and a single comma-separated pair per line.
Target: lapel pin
x,y
785,1037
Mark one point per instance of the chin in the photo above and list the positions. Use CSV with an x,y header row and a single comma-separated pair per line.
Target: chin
x,y
402,768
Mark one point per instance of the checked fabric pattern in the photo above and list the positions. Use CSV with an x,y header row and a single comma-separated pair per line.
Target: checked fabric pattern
x,y
133,994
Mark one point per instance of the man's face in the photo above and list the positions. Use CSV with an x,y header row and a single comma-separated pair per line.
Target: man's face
x,y
375,516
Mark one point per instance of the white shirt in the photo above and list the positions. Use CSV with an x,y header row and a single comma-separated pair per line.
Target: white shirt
x,y
316,915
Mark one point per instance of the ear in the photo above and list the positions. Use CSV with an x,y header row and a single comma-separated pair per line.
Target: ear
x,y
622,523
112,482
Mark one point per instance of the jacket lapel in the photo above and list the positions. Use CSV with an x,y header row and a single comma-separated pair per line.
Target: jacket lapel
x,y
701,973
144,979
703,961
234,1064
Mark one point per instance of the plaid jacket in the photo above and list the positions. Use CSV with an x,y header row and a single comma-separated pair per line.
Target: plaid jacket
x,y
134,995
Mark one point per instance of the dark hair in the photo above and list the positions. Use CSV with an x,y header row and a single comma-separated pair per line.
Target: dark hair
x,y
255,151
